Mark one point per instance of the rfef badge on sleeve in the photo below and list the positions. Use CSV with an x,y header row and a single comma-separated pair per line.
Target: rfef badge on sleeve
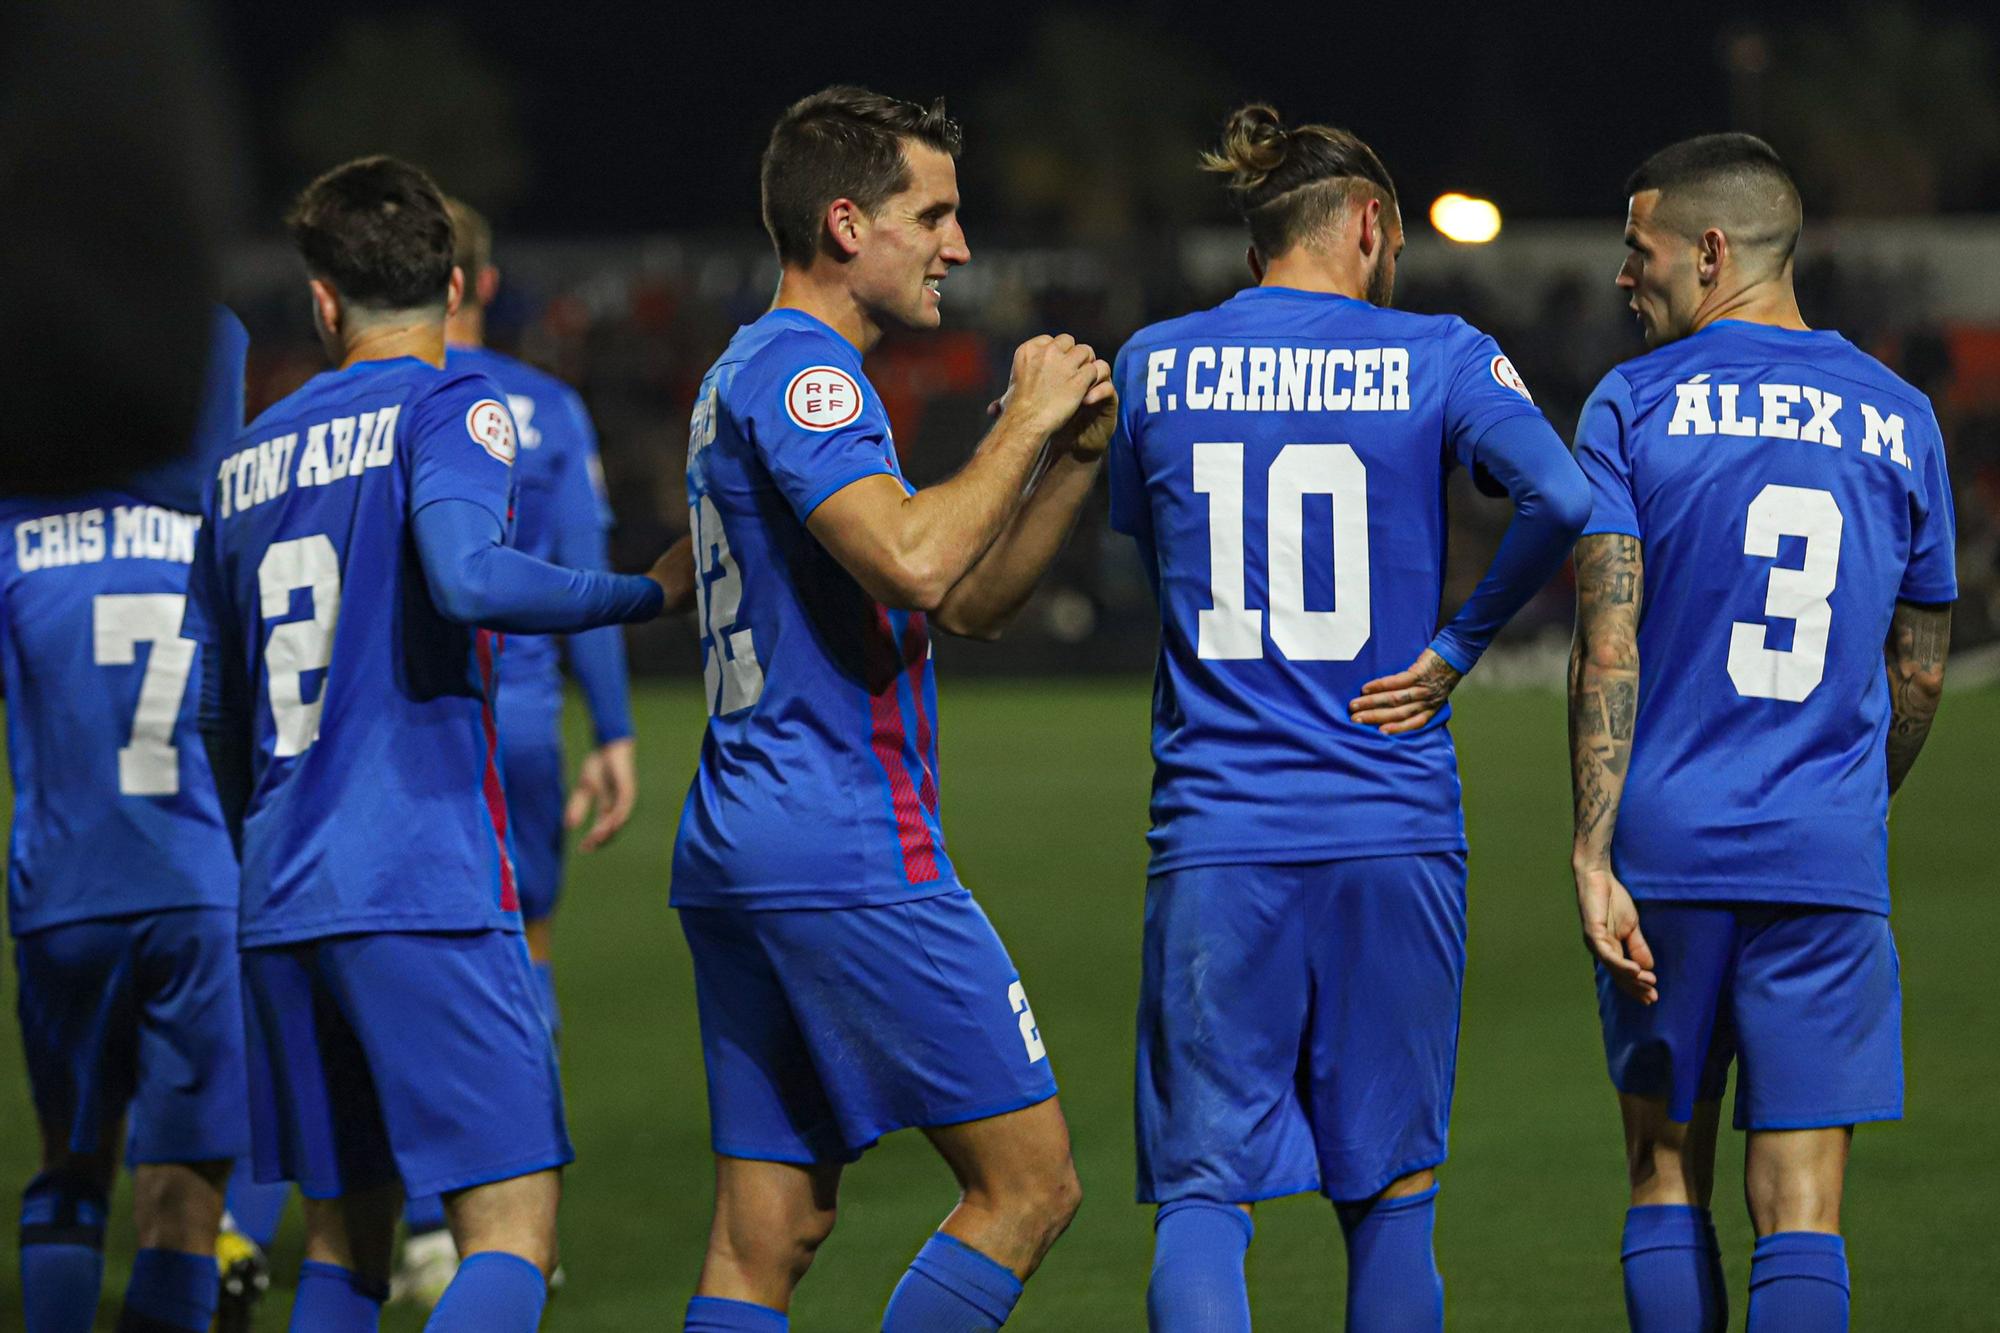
x,y
822,398
492,428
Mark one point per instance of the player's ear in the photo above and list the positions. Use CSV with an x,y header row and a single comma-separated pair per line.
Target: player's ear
x,y
326,305
488,285
1711,252
845,224
1372,237
454,291
1256,262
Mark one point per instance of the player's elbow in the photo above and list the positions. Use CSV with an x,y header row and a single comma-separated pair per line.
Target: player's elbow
x,y
1614,653
910,583
1569,502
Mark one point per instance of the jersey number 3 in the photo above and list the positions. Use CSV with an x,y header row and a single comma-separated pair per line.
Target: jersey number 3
x,y
1232,631
1798,595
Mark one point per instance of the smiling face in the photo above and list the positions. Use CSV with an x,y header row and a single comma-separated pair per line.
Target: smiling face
x,y
908,245
1661,273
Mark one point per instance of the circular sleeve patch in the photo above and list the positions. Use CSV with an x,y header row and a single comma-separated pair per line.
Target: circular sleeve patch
x,y
492,428
1510,378
822,398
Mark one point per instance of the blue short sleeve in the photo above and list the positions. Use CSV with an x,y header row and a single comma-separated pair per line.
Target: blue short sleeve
x,y
1932,574
460,440
1130,511
1482,389
815,427
1603,450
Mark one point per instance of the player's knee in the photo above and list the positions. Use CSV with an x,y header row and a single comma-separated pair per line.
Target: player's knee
x,y
772,1243
1793,1201
1045,1200
178,1206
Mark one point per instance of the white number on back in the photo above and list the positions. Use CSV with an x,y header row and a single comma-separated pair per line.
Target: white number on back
x,y
1232,631
1799,595
298,646
150,764
732,677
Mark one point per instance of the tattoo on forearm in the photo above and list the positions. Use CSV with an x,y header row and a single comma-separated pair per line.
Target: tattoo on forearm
x,y
1914,656
1603,680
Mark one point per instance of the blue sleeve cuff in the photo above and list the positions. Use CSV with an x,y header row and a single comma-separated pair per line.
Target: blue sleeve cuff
x,y
1457,655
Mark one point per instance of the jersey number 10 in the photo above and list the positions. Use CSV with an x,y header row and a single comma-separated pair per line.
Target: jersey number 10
x,y
1232,631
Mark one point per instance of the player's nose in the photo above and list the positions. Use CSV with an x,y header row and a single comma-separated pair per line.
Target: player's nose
x,y
956,250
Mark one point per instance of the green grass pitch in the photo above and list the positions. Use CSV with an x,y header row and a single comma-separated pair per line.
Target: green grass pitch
x,y
1044,797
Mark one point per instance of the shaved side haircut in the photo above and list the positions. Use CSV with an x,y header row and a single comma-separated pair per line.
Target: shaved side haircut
x,y
1292,183
1735,183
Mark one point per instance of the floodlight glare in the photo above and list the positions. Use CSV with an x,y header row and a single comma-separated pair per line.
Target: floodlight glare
x,y
1464,219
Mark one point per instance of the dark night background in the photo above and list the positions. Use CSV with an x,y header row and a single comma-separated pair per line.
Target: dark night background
x,y
604,119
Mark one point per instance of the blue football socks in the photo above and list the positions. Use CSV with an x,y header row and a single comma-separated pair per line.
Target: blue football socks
x,y
1392,1277
714,1314
951,1288
493,1292
545,972
62,1254
333,1299
255,1209
170,1291
1198,1248
1673,1271
1798,1283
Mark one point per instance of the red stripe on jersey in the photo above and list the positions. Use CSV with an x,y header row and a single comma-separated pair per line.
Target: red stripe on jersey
x,y
496,796
916,651
887,737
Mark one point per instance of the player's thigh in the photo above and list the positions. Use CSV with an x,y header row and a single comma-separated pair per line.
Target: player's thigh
x,y
1678,1049
533,764
315,1116
460,1055
1386,949
1224,998
1669,1161
188,1106
78,1006
913,1014
1819,1018
765,1099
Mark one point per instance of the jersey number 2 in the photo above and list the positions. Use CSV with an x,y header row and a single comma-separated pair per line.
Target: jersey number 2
x,y
731,675
1231,631
1799,595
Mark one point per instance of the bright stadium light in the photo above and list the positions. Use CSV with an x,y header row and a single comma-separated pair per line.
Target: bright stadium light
x,y
1464,219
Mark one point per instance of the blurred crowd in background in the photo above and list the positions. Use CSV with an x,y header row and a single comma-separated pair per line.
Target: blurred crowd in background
x,y
635,324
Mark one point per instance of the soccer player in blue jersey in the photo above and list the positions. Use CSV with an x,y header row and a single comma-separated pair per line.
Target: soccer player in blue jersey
x,y
1281,461
121,887
563,516
1777,502
350,580
848,985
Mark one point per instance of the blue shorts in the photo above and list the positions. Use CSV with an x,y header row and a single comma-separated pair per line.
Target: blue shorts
x,y
533,765
1298,1026
423,1057
824,1029
140,1011
1809,999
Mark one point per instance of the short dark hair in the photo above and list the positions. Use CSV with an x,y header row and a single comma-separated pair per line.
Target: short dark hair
x,y
471,242
377,229
1736,182
1288,183
841,143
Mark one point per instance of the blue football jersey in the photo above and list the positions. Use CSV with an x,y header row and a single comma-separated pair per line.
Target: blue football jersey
x,y
818,778
114,808
1787,490
561,513
376,801
1281,461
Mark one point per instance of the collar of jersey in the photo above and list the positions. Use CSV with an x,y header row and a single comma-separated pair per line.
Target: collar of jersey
x,y
1293,293
809,324
1757,329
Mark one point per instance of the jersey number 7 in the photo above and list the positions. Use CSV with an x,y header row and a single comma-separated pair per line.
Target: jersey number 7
x,y
1232,631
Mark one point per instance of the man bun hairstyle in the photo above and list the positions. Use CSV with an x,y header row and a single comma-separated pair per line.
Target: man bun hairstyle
x,y
843,142
377,229
1291,183
1734,182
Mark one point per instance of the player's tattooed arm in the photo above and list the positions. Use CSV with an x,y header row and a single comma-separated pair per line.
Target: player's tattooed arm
x,y
1603,707
1913,654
